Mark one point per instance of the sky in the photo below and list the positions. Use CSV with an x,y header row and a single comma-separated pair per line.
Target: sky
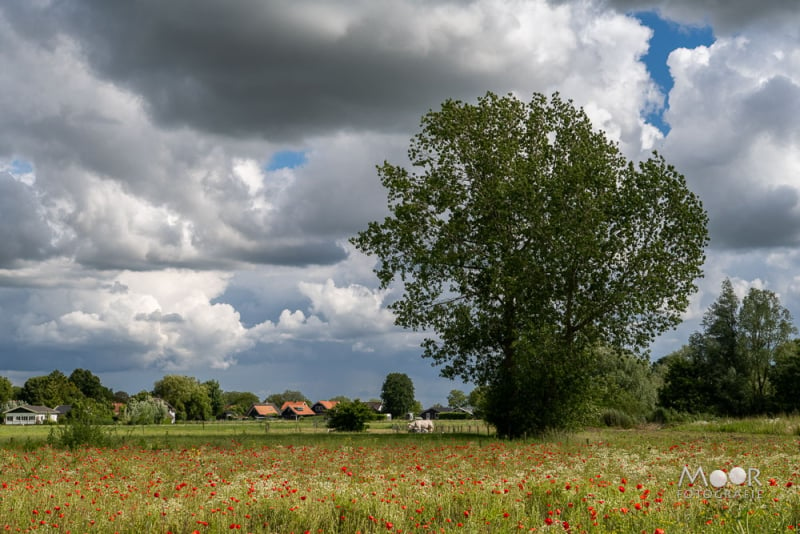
x,y
179,180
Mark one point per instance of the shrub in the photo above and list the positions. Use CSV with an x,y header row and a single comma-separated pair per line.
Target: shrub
x,y
669,416
350,416
455,415
617,418
82,429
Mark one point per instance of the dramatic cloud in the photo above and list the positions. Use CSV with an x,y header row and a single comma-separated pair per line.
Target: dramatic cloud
x,y
733,113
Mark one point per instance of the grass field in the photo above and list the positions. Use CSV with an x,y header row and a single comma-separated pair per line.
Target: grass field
x,y
298,479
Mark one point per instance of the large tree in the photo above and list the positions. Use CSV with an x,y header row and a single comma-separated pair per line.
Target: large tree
x,y
50,390
765,326
240,401
717,350
90,385
215,397
457,399
397,394
6,390
784,377
186,394
522,238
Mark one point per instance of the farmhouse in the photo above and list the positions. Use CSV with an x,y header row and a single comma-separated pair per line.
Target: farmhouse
x,y
434,411
259,411
30,415
321,407
295,410
376,406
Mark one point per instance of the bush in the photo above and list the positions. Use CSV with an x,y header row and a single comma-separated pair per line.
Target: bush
x,y
82,429
350,416
617,418
670,416
455,415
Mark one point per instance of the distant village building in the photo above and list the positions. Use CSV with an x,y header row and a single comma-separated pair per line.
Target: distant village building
x,y
321,407
295,410
27,414
376,406
263,410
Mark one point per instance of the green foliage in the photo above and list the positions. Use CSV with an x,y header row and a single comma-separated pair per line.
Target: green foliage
x,y
729,367
83,428
477,399
454,416
683,389
146,410
669,416
785,376
617,418
90,385
98,412
287,396
397,394
215,397
764,326
537,378
6,390
187,395
523,236
50,390
350,416
239,401
623,382
457,399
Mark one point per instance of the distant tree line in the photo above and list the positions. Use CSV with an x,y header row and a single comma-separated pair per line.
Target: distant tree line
x,y
178,397
743,362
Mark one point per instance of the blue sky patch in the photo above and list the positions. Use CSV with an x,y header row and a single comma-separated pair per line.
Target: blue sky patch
x,y
668,36
19,166
286,159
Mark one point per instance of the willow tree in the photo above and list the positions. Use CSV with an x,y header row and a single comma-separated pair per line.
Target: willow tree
x,y
523,238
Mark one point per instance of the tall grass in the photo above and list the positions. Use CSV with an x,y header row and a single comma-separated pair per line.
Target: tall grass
x,y
781,425
595,481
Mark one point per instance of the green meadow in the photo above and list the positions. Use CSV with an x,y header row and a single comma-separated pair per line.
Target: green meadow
x,y
298,478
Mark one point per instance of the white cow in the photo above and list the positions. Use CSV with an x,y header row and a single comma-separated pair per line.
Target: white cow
x,y
423,426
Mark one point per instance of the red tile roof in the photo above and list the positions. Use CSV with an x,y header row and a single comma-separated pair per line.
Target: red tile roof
x,y
298,408
264,410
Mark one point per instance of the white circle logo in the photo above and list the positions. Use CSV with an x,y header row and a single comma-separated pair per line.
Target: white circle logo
x,y
737,476
718,478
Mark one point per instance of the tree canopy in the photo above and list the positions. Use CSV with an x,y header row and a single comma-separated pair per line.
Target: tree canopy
x,y
397,394
350,416
288,395
186,394
732,366
522,237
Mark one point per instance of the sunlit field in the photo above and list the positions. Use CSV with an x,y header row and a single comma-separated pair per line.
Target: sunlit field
x,y
301,479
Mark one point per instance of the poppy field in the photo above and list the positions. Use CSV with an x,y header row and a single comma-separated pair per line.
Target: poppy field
x,y
653,481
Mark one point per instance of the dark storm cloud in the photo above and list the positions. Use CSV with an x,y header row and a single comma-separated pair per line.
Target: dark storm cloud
x,y
774,109
727,16
258,68
305,252
758,220
24,233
